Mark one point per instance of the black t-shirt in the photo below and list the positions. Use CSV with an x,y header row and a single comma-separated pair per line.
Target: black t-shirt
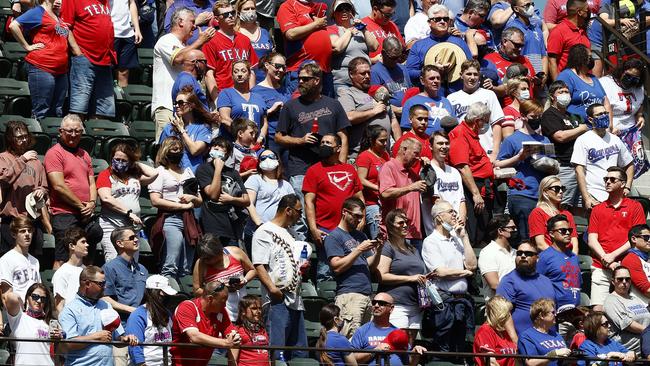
x,y
552,121
217,218
296,119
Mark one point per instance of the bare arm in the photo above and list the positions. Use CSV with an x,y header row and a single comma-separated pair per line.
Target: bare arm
x,y
135,21
149,174
492,279
363,177
552,67
57,183
540,242
17,32
629,170
500,17
213,190
74,47
290,141
298,33
213,90
249,270
203,339
340,43
122,308
343,154
252,211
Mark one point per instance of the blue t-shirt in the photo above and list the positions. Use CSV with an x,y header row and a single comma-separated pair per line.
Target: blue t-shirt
x,y
595,34
563,270
270,96
369,336
593,349
522,292
262,47
501,5
184,79
535,343
438,107
396,80
253,109
534,47
525,171
197,132
582,94
340,243
415,59
337,340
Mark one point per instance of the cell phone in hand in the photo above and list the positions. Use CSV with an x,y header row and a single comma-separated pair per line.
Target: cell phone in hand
x,y
234,281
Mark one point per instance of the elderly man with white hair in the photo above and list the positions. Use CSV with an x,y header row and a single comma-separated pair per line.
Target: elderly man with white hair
x,y
448,254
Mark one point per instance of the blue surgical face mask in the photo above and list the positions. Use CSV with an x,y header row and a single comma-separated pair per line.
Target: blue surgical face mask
x,y
119,166
217,154
601,121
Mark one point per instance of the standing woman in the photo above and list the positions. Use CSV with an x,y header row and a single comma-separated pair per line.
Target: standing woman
x,y
118,188
348,41
330,337
21,173
250,326
373,155
47,56
175,225
518,90
624,88
239,102
33,322
549,204
260,38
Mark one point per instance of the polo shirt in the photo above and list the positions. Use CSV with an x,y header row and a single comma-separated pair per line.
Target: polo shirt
x,y
495,258
441,252
381,32
465,148
534,47
637,262
125,281
564,36
613,223
81,317
394,175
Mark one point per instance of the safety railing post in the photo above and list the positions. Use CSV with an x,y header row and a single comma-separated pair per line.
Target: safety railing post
x,y
165,356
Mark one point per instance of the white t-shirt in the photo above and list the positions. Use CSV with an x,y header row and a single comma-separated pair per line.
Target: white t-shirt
x,y
461,101
19,271
495,258
30,353
437,252
449,187
164,73
597,154
167,185
624,104
121,16
281,268
126,193
66,281
417,27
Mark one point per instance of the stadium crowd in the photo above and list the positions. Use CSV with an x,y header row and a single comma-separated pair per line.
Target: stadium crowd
x,y
460,172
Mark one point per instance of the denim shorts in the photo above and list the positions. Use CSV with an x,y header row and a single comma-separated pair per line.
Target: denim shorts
x,y
91,88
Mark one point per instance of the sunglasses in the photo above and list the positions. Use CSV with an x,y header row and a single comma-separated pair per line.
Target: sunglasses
x,y
517,45
38,298
381,303
564,231
299,211
611,179
557,189
526,253
304,79
180,103
229,14
358,216
439,19
386,15
645,237
345,8
130,238
278,66
101,284
622,279
605,324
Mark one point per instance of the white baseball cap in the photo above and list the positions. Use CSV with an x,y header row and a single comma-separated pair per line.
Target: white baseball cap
x,y
158,282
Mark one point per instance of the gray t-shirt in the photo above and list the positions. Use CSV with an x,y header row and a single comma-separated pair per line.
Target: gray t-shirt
x,y
404,264
621,312
356,48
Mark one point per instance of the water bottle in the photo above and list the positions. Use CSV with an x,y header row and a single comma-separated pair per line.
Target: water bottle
x,y
143,235
281,357
304,255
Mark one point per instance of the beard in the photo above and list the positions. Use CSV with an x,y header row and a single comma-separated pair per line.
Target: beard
x,y
525,269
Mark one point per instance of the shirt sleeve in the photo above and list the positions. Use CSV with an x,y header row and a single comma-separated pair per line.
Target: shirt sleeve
x,y
579,157
506,289
431,255
185,316
487,263
554,43
103,179
68,323
136,325
31,19
286,18
359,339
342,121
224,99
536,223
386,179
261,247
53,161
157,184
458,152
639,277
333,247
204,175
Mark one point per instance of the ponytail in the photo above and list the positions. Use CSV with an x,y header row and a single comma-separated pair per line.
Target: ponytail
x,y
325,359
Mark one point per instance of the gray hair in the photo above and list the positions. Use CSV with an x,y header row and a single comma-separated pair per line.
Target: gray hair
x,y
476,111
440,207
439,8
72,117
509,32
179,14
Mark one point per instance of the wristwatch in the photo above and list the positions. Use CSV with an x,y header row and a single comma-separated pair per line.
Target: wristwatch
x,y
128,213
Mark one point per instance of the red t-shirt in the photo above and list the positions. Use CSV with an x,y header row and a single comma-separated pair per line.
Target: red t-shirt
x,y
76,169
382,32
502,65
640,279
393,175
613,223
42,28
425,152
564,36
555,10
316,46
221,51
537,224
373,163
487,340
252,357
185,317
465,148
510,116
92,27
332,184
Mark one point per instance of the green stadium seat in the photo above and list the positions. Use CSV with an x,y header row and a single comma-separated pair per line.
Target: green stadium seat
x,y
254,287
109,142
313,305
145,133
146,208
585,262
48,241
303,362
32,124
312,329
104,127
50,125
327,290
13,51
186,284
308,290
46,277
43,142
88,143
99,165
144,73
140,97
584,299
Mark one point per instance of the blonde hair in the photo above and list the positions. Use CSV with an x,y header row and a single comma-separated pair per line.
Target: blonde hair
x,y
541,306
498,312
165,147
543,186
530,106
513,84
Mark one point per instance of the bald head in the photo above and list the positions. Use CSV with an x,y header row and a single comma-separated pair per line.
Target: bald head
x,y
383,296
195,63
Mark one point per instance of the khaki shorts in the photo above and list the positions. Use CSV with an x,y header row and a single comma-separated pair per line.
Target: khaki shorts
x,y
162,116
600,281
355,311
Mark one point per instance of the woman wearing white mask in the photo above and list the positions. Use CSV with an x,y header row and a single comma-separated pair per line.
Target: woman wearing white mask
x,y
265,189
563,129
260,38
518,90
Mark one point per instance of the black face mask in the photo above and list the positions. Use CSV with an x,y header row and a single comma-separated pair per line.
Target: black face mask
x,y
514,238
325,152
628,81
174,158
591,63
534,123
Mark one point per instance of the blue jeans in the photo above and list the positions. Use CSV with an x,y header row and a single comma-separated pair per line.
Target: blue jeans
x,y
92,91
520,207
373,220
286,327
47,91
301,226
179,255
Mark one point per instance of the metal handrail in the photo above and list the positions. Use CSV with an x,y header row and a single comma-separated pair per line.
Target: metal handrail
x,y
619,36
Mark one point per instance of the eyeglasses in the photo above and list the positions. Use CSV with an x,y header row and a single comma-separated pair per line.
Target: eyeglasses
x,y
401,223
605,324
439,19
344,8
358,216
510,228
564,230
304,79
645,237
38,298
557,189
387,15
622,279
526,253
517,45
219,288
229,14
101,284
611,179
278,66
72,131
180,103
381,303
268,156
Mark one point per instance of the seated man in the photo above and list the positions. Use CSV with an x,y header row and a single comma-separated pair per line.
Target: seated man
x,y
636,260
390,73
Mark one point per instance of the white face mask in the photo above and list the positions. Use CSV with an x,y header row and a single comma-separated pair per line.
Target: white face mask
x,y
269,164
563,100
529,12
217,154
524,95
248,16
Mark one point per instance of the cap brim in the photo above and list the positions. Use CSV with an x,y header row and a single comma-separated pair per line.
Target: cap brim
x,y
169,291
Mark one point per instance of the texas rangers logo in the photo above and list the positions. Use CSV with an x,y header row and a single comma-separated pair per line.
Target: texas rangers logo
x,y
340,180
